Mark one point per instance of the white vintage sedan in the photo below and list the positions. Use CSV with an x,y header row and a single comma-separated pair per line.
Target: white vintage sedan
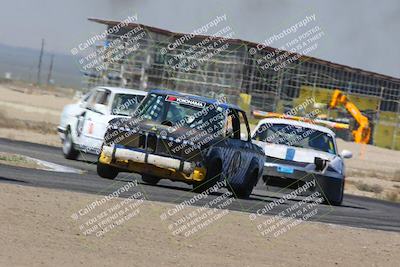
x,y
83,124
299,152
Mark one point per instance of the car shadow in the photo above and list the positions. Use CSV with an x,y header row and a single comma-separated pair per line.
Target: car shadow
x,y
12,180
172,187
253,196
87,161
179,188
262,198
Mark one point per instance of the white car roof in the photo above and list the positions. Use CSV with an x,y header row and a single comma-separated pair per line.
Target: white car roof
x,y
120,90
297,123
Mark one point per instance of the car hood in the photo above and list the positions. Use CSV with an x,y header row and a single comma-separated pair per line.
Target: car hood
x,y
297,154
304,155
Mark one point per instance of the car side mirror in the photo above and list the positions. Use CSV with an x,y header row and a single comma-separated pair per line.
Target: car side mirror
x,y
320,164
346,154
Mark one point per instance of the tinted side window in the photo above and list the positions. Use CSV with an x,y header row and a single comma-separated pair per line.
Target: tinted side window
x,y
232,127
102,97
152,107
86,97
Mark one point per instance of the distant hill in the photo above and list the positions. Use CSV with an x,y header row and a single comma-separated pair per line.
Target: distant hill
x,y
22,63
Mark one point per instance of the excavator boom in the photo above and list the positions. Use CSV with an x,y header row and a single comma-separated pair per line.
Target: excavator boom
x,y
363,133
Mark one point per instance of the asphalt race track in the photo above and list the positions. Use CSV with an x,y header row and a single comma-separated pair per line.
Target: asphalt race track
x,y
355,211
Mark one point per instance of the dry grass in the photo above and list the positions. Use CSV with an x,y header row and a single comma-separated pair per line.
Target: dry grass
x,y
392,196
39,127
375,188
12,158
17,160
396,176
352,172
29,88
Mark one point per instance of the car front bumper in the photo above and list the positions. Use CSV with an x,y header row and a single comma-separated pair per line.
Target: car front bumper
x,y
328,183
61,132
150,164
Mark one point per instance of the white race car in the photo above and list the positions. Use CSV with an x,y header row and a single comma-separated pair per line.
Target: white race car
x,y
298,152
83,124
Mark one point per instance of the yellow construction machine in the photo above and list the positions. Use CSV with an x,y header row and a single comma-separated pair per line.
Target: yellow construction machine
x,y
363,133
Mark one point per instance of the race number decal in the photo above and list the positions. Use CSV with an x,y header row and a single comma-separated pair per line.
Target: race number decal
x,y
90,128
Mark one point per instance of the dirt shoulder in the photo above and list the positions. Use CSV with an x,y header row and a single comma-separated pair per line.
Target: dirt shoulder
x,y
36,228
31,136
28,113
372,171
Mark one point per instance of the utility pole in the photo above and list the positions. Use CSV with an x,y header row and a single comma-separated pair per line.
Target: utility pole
x,y
50,69
40,62
397,125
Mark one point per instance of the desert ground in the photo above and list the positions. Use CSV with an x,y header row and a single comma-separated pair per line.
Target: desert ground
x,y
32,114
28,113
37,229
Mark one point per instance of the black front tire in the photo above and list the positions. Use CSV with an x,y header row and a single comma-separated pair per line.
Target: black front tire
x,y
150,179
340,201
334,202
106,171
68,148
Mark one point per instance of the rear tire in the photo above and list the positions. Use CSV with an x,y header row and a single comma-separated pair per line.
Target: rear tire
x,y
106,171
150,179
68,146
244,190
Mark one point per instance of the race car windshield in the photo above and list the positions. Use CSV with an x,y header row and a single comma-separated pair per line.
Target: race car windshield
x,y
125,104
180,112
296,136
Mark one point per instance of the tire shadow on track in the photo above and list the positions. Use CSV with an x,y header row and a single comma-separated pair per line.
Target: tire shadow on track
x,y
262,198
10,180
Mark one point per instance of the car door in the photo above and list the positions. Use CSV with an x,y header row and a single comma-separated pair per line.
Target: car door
x,y
237,152
77,125
95,120
245,135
